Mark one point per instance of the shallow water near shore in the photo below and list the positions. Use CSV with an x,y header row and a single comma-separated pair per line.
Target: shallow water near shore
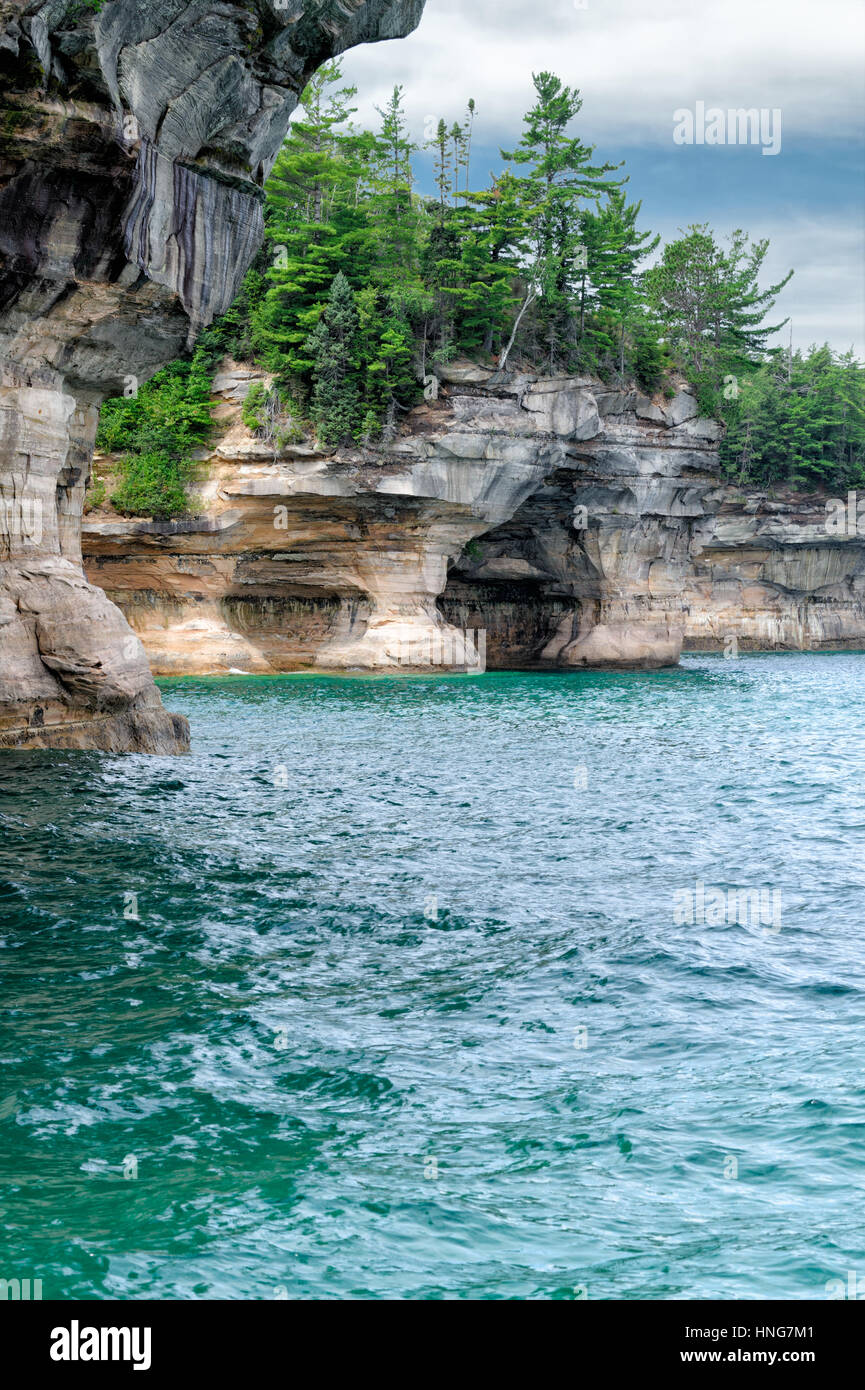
x,y
389,989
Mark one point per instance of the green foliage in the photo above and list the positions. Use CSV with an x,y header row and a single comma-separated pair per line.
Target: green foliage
x,y
253,406
76,8
799,420
236,334
712,306
154,484
334,350
95,495
314,226
650,362
157,431
561,177
437,277
394,218
363,288
612,307
172,411
266,414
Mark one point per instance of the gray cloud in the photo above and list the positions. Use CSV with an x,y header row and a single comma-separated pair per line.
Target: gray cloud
x,y
824,300
635,64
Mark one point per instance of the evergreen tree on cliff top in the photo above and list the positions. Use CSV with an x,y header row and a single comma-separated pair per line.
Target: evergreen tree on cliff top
x,y
712,306
562,177
333,348
391,204
612,284
799,419
314,225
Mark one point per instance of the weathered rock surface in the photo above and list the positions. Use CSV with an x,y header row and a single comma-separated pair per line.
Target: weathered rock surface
x,y
561,518
634,548
135,142
329,560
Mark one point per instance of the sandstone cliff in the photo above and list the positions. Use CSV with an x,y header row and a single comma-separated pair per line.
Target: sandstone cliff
x,y
574,524
135,140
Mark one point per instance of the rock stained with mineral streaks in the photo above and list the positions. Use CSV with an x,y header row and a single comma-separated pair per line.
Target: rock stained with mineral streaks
x,y
134,142
573,524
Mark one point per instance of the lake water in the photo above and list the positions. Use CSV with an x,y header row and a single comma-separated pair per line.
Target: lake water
x,y
427,988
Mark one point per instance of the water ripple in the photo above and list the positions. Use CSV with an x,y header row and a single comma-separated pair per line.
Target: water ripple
x,y
387,990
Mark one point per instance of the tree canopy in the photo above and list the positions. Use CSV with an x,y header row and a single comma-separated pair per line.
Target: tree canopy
x,y
365,286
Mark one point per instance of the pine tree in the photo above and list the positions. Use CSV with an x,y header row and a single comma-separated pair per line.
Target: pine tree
x,y
391,204
333,348
443,179
496,247
468,135
562,177
313,223
711,304
363,286
800,421
738,328
458,140
611,284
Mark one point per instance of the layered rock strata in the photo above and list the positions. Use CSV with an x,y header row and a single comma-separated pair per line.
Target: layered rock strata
x,y
569,523
135,140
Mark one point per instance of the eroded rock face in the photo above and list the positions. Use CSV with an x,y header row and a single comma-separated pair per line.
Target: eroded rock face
x,y
570,523
633,548
135,142
324,560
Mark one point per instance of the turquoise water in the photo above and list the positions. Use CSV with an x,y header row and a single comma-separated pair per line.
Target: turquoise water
x,y
342,1042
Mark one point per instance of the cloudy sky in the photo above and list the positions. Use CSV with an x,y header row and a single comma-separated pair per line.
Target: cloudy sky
x,y
636,62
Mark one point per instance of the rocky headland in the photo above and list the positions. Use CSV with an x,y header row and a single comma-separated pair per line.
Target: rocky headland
x,y
136,137
572,523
